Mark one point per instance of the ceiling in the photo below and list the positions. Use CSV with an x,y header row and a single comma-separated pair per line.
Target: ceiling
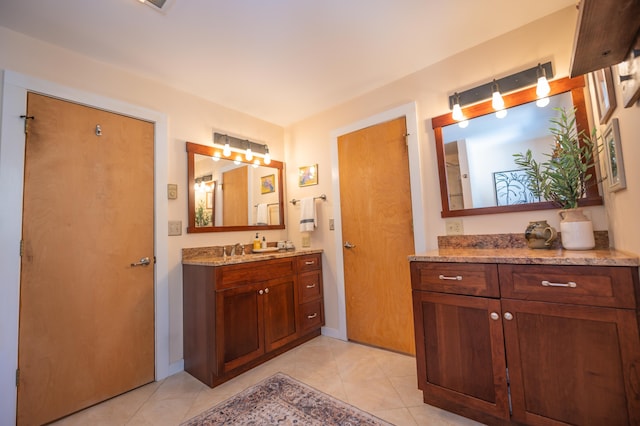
x,y
278,60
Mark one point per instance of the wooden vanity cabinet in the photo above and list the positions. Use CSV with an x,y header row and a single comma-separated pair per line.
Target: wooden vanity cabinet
x,y
562,353
238,316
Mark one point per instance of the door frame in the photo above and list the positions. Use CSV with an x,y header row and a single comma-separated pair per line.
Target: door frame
x,y
418,208
13,94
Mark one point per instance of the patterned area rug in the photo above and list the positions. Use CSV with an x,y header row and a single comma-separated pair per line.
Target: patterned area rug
x,y
281,400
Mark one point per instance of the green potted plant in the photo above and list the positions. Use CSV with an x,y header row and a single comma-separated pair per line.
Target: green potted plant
x,y
203,218
563,178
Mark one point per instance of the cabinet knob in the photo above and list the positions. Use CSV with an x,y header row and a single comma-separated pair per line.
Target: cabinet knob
x,y
311,286
508,316
315,314
260,292
494,316
266,290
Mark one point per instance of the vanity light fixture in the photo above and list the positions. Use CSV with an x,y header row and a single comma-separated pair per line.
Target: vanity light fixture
x,y
226,146
496,89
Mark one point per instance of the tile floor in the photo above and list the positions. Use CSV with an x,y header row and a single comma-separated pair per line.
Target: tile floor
x,y
380,382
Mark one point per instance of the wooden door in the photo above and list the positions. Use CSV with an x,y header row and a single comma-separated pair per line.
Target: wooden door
x,y
235,197
281,301
571,364
460,353
86,316
375,200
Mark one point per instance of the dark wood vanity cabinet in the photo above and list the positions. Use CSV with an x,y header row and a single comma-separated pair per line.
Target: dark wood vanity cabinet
x,y
237,316
556,345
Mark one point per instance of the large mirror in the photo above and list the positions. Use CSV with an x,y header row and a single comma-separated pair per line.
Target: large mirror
x,y
227,195
477,171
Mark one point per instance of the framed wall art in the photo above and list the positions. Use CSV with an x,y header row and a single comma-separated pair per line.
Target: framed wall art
x,y
308,175
267,184
613,151
629,76
605,94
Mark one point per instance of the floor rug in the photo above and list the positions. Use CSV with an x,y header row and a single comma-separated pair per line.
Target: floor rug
x,y
281,400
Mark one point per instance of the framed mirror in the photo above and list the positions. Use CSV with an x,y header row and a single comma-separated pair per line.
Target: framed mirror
x,y
227,195
478,174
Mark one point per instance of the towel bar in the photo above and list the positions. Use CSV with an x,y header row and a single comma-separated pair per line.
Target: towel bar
x,y
322,197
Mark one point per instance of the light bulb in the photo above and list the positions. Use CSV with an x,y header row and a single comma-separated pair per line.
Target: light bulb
x,y
497,102
267,158
542,102
227,150
248,154
463,124
542,88
256,163
457,113
238,160
501,113
216,156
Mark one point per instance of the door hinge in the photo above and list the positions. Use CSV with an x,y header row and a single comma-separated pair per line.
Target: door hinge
x,y
17,377
154,260
21,248
26,119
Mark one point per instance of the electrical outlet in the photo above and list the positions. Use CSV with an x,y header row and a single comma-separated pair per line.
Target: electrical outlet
x,y
175,227
454,227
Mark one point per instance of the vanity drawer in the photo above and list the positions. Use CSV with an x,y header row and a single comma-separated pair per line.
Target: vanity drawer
x,y
232,275
310,286
476,279
309,262
311,315
581,285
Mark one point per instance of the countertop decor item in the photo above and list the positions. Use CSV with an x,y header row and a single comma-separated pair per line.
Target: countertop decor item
x,y
540,235
564,177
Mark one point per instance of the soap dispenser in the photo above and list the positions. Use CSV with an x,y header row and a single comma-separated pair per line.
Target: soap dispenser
x,y
264,243
256,242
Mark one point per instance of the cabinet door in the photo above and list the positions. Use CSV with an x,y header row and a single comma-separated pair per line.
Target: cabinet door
x,y
572,364
239,324
280,301
460,354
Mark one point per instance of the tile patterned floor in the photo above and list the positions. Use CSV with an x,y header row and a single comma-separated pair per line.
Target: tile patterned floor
x,y
380,382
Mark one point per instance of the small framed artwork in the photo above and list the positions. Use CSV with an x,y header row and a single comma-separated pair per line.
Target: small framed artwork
x,y
308,175
613,151
268,184
605,95
629,76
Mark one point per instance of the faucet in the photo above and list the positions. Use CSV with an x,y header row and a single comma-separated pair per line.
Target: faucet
x,y
238,249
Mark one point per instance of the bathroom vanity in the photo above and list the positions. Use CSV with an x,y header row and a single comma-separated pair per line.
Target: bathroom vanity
x,y
240,311
526,336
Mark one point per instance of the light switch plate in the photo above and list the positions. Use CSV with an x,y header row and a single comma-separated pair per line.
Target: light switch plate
x,y
172,191
306,240
175,227
454,227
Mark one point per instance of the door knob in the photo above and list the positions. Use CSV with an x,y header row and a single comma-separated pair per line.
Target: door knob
x,y
142,262
348,245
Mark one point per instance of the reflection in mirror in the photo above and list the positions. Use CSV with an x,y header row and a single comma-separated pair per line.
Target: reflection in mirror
x,y
478,174
481,171
227,195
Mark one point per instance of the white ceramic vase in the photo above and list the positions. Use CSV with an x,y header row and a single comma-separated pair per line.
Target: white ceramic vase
x,y
576,230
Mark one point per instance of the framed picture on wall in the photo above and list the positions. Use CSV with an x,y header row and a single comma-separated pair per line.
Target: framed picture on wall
x,y
308,175
268,184
605,94
613,150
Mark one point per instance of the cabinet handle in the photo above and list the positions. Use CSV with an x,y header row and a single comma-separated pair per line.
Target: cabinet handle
x,y
546,283
444,277
315,314
494,316
260,292
508,316
311,286
266,290
310,262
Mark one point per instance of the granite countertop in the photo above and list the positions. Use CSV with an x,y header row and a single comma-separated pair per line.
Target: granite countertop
x,y
205,256
520,255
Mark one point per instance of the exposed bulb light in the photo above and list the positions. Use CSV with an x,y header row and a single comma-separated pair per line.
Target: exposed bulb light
x,y
496,98
238,160
256,163
501,113
267,156
227,149
248,154
542,102
216,156
457,111
542,88
463,124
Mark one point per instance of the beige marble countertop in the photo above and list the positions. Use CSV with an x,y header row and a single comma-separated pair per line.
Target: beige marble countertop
x,y
202,256
600,257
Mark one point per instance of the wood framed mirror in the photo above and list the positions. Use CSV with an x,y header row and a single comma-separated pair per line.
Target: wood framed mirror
x,y
471,165
232,195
